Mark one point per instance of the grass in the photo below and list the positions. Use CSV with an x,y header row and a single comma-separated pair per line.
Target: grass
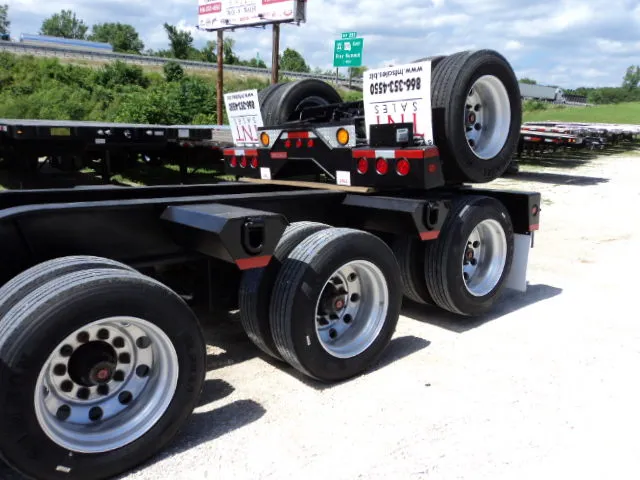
x,y
627,113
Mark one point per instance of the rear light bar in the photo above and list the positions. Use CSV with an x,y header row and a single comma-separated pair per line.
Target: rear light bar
x,y
380,160
241,158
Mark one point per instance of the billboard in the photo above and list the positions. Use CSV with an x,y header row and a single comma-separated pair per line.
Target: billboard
x,y
223,14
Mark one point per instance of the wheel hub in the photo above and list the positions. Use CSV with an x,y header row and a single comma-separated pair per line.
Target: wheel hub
x,y
484,258
105,385
102,373
487,117
351,309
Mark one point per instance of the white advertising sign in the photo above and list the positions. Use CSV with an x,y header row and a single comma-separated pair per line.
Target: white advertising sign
x,y
400,94
243,111
216,14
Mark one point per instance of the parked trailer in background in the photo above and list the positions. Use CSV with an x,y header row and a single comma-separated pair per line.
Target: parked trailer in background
x,y
102,358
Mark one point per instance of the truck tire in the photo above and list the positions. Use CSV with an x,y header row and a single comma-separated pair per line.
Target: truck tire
x,y
285,104
18,287
434,59
90,346
477,113
336,304
265,93
409,253
466,267
256,287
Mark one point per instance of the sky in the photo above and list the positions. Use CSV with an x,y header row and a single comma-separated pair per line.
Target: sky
x,y
569,43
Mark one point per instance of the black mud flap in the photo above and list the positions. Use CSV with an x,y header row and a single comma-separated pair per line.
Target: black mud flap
x,y
237,235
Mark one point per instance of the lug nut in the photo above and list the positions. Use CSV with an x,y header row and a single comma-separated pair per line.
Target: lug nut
x,y
347,319
66,386
142,371
333,333
95,414
143,342
103,390
124,358
63,413
103,334
60,370
66,350
355,298
83,337
83,394
125,398
118,342
119,376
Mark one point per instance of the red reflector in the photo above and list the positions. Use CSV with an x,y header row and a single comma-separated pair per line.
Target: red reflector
x,y
310,143
254,162
243,162
299,143
233,162
295,135
432,168
287,144
403,167
382,166
363,166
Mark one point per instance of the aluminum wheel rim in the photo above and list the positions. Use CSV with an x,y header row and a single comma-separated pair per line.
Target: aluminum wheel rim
x,y
129,395
484,258
352,309
487,117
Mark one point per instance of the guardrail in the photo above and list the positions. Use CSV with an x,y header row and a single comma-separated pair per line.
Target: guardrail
x,y
26,49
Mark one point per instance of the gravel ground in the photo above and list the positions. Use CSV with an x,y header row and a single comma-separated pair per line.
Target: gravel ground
x,y
539,389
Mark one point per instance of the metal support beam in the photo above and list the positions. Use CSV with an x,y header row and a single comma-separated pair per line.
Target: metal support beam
x,y
275,53
219,114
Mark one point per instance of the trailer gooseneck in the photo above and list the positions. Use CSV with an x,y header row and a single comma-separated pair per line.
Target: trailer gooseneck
x,y
102,358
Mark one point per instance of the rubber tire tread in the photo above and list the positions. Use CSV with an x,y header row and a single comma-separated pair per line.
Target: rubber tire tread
x,y
26,317
24,283
312,252
257,285
437,255
410,254
278,107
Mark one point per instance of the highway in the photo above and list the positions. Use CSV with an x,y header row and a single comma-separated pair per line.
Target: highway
x,y
36,50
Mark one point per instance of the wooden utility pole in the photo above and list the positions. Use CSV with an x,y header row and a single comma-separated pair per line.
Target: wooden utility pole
x,y
275,53
220,85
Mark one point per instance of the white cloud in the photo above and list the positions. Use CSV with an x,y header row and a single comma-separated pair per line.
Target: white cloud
x,y
565,42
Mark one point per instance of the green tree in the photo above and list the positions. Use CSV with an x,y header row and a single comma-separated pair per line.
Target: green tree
x,y
123,38
293,61
4,20
64,24
210,52
173,72
528,81
230,58
180,40
631,79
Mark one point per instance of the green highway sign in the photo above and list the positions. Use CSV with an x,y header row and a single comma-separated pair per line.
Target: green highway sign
x,y
348,53
349,35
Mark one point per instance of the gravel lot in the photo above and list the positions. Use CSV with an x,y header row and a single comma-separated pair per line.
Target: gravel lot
x,y
542,388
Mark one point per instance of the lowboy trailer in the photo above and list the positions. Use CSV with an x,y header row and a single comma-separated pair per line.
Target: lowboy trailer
x,y
102,358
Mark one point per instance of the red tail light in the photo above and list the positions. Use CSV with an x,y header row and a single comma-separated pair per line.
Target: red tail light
x,y
254,162
233,162
243,162
382,166
403,167
299,143
363,166
310,143
287,144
